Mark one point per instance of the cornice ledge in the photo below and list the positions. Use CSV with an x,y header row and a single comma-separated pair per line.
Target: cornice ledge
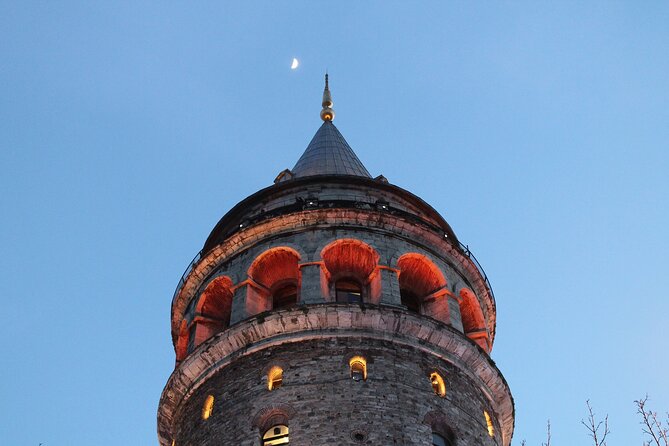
x,y
332,320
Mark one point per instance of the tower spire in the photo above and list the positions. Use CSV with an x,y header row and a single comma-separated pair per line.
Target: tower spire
x,y
327,114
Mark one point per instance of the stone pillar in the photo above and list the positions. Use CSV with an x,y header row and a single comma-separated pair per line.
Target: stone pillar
x,y
454,309
206,328
437,306
390,287
238,311
311,290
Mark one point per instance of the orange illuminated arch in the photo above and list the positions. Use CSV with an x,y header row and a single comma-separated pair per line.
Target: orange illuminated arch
x,y
212,313
419,278
349,265
358,367
275,276
216,300
473,322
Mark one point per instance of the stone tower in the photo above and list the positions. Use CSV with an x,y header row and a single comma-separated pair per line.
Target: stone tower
x,y
334,308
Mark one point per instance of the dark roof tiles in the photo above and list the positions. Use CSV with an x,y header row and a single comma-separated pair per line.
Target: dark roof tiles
x,y
328,153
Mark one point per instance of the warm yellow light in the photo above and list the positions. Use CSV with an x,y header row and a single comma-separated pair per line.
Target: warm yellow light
x,y
274,378
276,435
358,366
207,408
491,429
438,384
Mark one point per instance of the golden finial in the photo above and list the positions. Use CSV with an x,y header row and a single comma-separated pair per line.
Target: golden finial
x,y
327,114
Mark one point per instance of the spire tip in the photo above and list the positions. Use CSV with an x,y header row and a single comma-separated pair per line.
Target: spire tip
x,y
327,114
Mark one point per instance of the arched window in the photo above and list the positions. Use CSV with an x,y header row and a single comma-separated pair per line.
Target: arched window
x,y
422,286
276,435
358,366
216,301
274,378
275,280
349,267
348,291
473,322
208,407
442,434
212,313
438,384
285,296
438,440
488,422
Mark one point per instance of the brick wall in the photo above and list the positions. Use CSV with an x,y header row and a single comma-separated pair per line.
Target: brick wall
x,y
327,407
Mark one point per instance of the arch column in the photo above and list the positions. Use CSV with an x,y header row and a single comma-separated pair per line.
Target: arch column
x,y
436,305
390,286
313,278
241,303
454,311
205,328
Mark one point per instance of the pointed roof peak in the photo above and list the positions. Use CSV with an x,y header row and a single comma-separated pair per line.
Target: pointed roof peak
x,y
328,153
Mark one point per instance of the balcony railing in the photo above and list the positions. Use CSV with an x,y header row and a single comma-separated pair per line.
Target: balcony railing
x,y
464,248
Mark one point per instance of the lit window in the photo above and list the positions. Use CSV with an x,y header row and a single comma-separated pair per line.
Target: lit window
x,y
488,421
284,297
274,380
438,384
276,435
208,407
348,291
438,440
358,366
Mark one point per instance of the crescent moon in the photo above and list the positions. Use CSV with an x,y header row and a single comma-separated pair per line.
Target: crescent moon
x,y
295,64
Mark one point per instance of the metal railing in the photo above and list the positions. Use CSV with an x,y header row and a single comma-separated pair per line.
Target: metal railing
x,y
184,276
464,248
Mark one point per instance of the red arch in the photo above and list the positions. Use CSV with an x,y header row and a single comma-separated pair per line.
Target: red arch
x,y
274,266
423,287
216,300
419,274
350,257
473,322
212,313
270,273
351,261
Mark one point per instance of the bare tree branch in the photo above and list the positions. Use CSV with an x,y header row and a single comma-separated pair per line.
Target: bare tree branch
x,y
594,427
652,426
548,434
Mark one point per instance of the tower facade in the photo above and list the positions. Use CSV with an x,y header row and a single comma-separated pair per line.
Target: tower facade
x,y
334,308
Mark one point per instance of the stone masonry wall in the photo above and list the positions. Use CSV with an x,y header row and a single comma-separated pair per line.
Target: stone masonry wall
x,y
327,407
309,244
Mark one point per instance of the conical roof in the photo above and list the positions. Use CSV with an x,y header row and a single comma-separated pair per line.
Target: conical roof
x,y
328,153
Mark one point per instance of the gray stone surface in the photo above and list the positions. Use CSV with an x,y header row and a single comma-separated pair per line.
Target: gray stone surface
x,y
328,153
314,339
327,406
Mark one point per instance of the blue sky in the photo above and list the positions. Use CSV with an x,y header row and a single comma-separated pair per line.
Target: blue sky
x,y
540,130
